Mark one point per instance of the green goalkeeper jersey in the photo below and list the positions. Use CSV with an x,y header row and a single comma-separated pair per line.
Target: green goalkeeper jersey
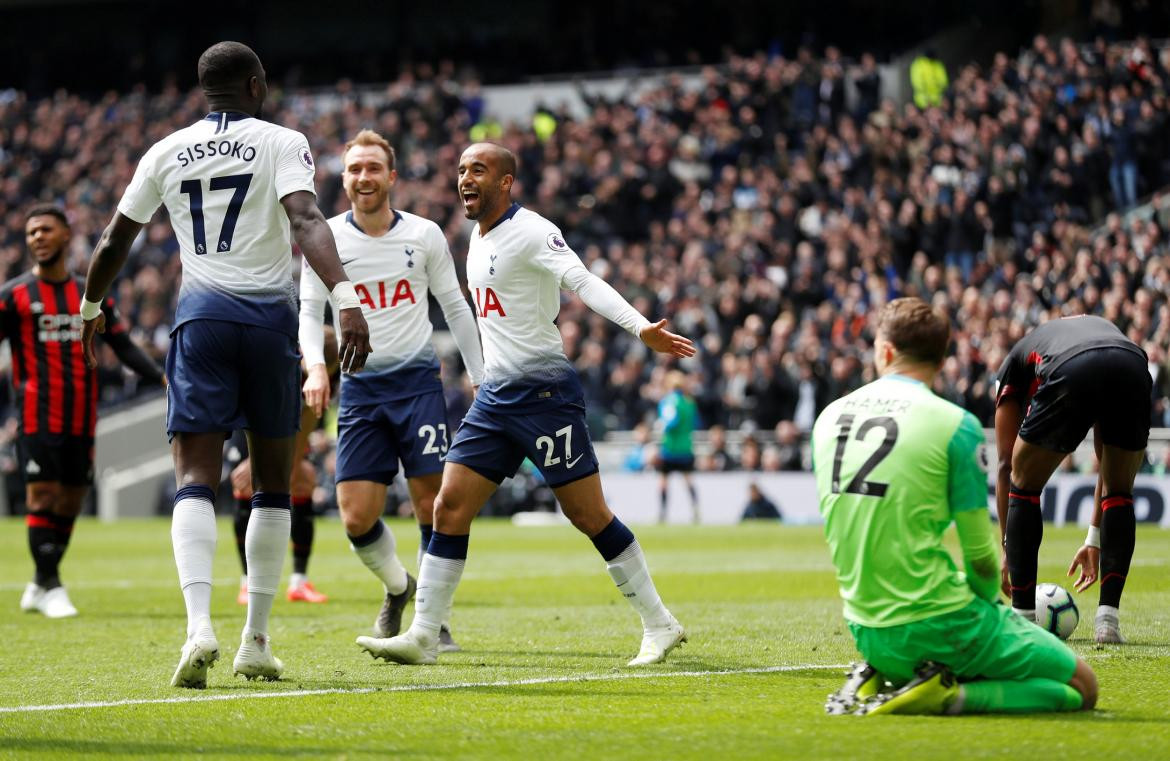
x,y
894,464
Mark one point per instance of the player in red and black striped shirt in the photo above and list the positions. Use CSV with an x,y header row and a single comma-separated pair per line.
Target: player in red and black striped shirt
x,y
1061,380
55,397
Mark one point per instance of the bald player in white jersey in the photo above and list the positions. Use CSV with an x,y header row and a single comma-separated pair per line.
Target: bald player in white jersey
x,y
531,404
395,409
237,190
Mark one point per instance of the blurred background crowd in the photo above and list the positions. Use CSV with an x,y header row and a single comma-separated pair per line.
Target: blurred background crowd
x,y
767,205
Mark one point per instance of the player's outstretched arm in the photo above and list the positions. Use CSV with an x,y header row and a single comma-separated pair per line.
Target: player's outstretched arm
x,y
108,257
601,297
312,234
661,340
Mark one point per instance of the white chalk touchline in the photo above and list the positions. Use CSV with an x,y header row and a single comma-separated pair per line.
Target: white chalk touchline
x,y
422,687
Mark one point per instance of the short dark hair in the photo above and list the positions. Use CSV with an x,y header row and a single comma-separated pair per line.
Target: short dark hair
x,y
227,63
918,331
47,210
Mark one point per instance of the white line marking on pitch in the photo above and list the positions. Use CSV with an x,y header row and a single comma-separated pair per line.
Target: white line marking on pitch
x,y
421,687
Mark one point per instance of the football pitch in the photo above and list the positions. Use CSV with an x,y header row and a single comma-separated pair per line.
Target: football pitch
x,y
542,673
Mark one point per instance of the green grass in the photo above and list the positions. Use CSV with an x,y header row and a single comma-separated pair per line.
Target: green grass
x,y
535,604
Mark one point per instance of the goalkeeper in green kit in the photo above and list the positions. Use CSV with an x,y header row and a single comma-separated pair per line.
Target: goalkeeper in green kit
x,y
895,465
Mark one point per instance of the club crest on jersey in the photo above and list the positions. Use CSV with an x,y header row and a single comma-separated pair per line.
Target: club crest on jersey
x,y
492,268
409,257
307,159
557,243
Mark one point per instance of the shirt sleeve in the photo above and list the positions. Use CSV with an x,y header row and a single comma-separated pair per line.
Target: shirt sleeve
x,y
601,297
444,284
311,330
295,168
1011,381
554,255
967,467
142,197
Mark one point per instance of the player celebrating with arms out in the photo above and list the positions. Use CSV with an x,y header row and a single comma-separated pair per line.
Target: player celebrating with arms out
x,y
895,466
531,404
1057,382
394,410
57,399
238,190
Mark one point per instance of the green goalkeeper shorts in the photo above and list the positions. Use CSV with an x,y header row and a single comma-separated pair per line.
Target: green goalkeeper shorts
x,y
979,641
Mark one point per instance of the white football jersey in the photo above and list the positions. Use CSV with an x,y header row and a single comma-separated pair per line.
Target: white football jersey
x,y
392,275
221,180
515,272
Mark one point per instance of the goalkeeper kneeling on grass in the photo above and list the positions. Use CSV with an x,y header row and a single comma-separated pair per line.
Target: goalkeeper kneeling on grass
x,y
895,465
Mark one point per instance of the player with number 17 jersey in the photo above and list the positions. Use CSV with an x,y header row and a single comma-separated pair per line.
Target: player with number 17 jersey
x,y
221,180
231,167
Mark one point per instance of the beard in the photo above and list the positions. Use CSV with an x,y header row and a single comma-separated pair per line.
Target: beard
x,y
52,259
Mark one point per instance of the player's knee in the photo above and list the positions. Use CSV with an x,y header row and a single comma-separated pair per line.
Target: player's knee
x,y
43,498
357,518
1084,681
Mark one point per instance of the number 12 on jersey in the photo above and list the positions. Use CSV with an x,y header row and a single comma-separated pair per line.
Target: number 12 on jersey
x,y
858,485
238,184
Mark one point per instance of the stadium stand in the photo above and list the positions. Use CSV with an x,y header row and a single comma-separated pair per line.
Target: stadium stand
x,y
768,211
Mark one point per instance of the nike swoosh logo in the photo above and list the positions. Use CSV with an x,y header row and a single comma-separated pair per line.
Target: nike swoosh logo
x,y
569,465
348,261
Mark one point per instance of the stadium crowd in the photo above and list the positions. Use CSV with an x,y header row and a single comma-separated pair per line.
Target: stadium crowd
x,y
768,211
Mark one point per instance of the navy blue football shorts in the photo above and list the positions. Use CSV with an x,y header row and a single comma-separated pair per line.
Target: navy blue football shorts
x,y
224,376
372,438
495,443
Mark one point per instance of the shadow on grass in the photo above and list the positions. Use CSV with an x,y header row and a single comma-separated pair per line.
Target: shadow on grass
x,y
58,747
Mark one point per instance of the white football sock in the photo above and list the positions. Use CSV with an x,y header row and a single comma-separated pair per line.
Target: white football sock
x,y
264,547
193,539
381,557
437,579
297,580
1108,610
628,570
1029,614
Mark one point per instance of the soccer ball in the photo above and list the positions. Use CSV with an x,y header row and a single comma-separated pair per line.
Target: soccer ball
x,y
1056,610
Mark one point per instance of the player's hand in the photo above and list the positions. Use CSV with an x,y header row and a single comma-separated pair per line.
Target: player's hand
x,y
316,389
1005,580
661,340
242,478
1088,559
355,340
88,329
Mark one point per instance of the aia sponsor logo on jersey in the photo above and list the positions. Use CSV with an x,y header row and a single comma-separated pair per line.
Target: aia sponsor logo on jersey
x,y
401,293
487,302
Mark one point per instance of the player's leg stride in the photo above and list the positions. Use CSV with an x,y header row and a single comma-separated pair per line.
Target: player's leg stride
x,y
200,652
301,531
267,538
447,643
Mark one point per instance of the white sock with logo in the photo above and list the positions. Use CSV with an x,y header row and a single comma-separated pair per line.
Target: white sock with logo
x,y
264,546
193,535
628,570
437,579
380,555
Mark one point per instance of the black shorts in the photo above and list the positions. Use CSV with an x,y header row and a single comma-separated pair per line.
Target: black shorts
x,y
676,464
56,457
1109,387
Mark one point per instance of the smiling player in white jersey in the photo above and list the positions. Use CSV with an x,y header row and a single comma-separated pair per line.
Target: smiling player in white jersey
x,y
394,410
531,404
237,190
